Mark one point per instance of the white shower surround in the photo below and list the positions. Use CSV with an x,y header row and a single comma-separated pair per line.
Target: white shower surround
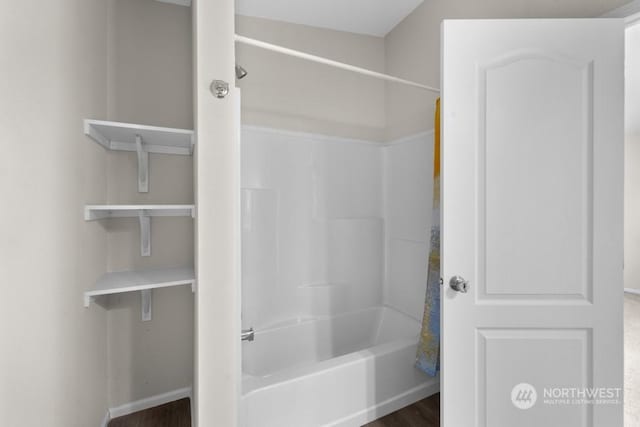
x,y
335,239
344,371
312,226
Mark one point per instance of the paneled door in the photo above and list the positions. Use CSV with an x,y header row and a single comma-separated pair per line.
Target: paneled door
x,y
532,223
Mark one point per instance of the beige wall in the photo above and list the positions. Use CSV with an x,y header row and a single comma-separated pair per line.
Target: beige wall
x,y
150,82
52,75
150,63
294,94
413,48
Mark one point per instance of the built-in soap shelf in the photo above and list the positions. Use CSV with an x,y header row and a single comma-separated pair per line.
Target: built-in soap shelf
x,y
141,280
142,140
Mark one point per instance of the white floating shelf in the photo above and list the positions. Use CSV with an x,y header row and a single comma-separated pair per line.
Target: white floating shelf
x,y
142,212
141,139
95,212
130,281
141,280
155,139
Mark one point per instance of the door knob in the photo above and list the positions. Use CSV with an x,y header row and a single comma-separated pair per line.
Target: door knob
x,y
458,284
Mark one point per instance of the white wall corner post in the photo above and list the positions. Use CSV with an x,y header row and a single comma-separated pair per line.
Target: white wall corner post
x,y
143,166
218,368
145,297
145,233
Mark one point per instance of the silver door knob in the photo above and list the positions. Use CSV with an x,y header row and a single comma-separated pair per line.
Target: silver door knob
x,y
458,284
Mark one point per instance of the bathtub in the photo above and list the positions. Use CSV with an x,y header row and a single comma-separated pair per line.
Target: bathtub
x,y
344,370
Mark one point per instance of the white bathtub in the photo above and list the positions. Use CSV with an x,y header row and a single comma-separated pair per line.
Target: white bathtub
x,y
345,370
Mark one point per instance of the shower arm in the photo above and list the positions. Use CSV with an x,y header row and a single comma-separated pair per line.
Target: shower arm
x,y
247,335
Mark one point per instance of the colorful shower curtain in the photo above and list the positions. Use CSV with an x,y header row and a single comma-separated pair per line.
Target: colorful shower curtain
x,y
428,357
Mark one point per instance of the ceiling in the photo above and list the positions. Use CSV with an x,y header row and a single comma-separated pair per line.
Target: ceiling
x,y
370,17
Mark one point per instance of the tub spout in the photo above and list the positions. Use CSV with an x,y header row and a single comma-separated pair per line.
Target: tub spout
x,y
247,334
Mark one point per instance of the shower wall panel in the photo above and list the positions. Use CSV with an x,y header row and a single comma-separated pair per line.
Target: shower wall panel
x,y
313,232
408,166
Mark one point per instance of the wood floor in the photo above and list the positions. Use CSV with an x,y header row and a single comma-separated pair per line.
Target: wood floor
x,y
173,414
425,413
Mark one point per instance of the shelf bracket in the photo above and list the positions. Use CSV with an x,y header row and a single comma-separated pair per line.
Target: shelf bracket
x,y
145,297
143,166
145,233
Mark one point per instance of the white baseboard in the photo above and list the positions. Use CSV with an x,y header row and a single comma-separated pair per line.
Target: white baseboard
x,y
149,402
105,420
632,291
178,2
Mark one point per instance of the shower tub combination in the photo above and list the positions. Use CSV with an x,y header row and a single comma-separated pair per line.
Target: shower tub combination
x,y
343,370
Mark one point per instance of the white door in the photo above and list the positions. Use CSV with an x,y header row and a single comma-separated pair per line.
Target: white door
x,y
532,185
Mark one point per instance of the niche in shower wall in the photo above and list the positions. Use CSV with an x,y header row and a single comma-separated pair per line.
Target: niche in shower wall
x,y
312,227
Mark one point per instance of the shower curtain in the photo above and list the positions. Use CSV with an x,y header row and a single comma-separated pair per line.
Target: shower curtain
x,y
428,357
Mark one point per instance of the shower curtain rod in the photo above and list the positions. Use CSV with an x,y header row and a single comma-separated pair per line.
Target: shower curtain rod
x,y
330,62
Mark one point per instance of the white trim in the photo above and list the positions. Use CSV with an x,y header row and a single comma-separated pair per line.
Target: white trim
x,y
331,138
410,138
632,291
106,419
309,135
186,3
330,62
150,402
630,12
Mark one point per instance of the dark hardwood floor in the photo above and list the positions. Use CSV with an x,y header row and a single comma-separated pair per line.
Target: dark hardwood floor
x,y
172,414
425,413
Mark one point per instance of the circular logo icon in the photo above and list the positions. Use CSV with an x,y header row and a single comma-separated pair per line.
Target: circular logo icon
x,y
524,396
